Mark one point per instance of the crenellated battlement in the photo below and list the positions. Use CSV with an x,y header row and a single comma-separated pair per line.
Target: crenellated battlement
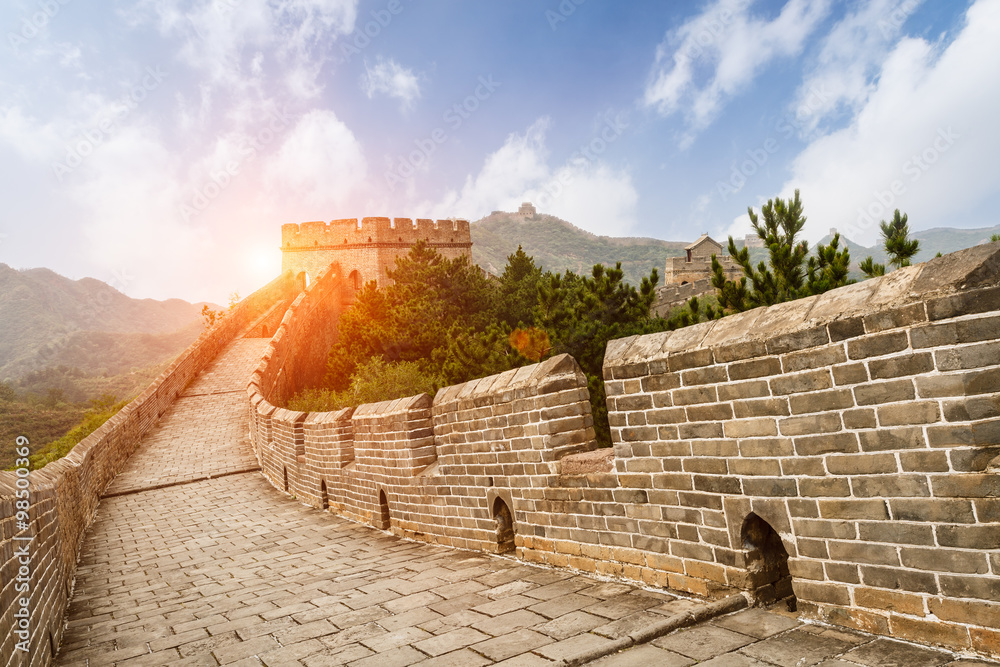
x,y
367,247
374,230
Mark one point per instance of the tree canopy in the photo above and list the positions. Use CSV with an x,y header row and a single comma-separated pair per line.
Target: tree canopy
x,y
790,273
898,246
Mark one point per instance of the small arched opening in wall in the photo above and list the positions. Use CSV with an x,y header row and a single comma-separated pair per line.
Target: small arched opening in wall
x,y
285,473
384,520
505,526
324,498
766,562
354,280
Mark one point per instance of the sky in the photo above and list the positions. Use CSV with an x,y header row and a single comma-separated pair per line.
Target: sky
x,y
159,145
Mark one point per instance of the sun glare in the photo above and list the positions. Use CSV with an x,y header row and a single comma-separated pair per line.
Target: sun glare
x,y
263,264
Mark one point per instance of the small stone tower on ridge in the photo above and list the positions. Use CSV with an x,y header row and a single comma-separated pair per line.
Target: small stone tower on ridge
x,y
366,250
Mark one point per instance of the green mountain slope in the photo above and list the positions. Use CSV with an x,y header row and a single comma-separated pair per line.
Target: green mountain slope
x,y
559,246
50,320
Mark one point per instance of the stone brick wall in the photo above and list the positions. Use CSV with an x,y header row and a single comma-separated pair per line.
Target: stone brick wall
x,y
371,247
63,496
669,297
433,469
842,448
860,425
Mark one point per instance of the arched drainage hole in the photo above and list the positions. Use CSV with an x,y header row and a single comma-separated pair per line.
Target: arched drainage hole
x,y
505,526
384,519
766,563
323,497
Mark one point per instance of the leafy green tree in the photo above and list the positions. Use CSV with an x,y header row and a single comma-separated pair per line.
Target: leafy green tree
x,y
898,246
375,380
581,314
870,268
828,267
7,393
994,238
409,320
787,275
694,311
517,290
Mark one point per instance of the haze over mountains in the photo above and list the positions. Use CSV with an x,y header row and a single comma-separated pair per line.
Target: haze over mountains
x,y
53,321
50,320
558,245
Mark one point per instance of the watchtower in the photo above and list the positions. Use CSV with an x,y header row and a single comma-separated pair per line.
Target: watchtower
x,y
696,264
368,248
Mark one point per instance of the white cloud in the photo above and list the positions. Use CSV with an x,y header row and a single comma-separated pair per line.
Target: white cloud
x,y
584,191
387,77
850,56
734,45
318,167
928,130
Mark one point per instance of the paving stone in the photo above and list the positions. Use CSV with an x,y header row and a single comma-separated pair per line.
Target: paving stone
x,y
797,648
622,605
703,642
511,644
889,653
397,657
461,658
450,641
734,660
515,620
571,624
641,656
384,642
568,649
526,660
562,605
623,627
757,622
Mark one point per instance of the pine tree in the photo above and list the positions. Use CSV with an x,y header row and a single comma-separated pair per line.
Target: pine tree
x,y
898,246
787,275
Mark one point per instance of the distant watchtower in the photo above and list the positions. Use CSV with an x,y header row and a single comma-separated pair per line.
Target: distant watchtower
x,y
366,250
697,263
527,210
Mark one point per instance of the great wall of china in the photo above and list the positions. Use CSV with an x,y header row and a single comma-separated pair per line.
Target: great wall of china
x,y
843,448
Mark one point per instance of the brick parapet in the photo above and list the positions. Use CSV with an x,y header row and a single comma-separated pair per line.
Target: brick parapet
x,y
369,248
859,425
856,424
64,495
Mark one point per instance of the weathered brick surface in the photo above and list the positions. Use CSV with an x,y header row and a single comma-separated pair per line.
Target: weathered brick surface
x,y
840,420
64,495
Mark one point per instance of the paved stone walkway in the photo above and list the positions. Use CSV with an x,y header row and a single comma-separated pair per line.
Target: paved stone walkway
x,y
184,567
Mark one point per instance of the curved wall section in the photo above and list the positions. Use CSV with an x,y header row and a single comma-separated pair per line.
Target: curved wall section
x,y
844,448
63,496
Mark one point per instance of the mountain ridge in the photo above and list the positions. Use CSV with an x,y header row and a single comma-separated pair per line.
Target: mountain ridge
x,y
51,319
